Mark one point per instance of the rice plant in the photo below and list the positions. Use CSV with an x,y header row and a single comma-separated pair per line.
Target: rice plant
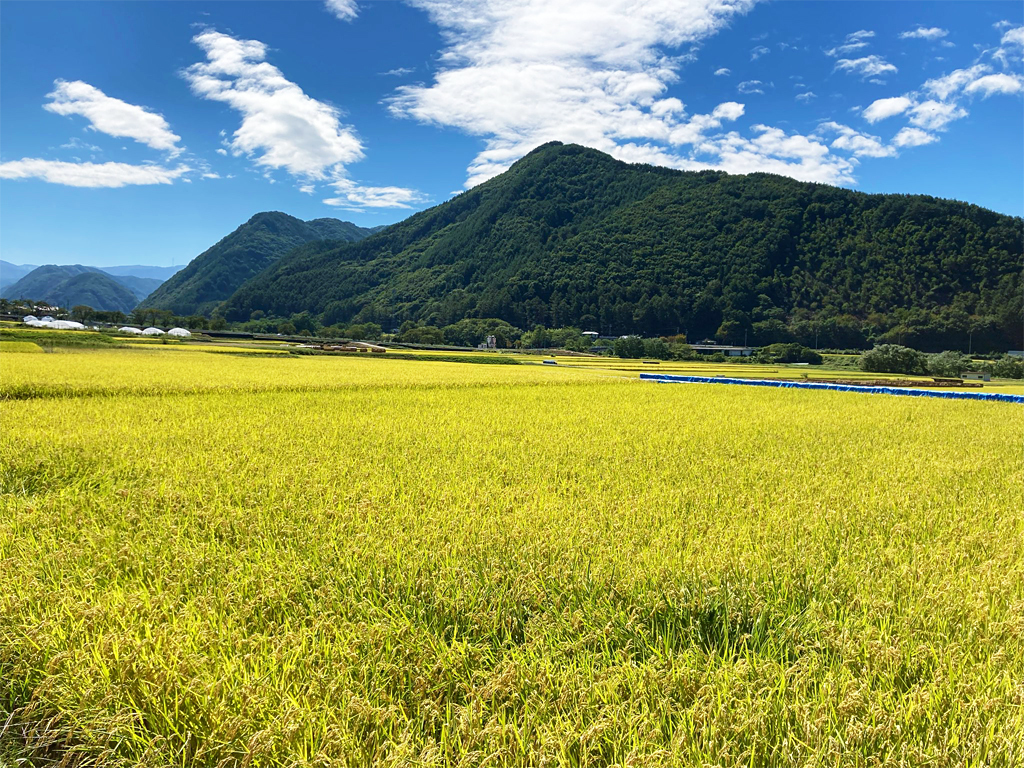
x,y
211,560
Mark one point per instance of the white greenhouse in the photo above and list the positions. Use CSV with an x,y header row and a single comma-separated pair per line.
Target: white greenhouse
x,y
179,332
129,329
151,331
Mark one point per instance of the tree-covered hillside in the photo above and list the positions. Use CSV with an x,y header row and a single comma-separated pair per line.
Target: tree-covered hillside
x,y
217,272
570,236
72,285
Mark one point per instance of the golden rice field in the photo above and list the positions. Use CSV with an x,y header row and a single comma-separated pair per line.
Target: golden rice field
x,y
213,560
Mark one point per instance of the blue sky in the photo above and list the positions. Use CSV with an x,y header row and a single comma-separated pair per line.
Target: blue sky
x,y
142,132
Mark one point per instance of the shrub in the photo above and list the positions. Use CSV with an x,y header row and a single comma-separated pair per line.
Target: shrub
x,y
892,358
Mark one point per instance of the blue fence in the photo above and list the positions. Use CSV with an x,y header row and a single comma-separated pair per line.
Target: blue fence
x,y
667,379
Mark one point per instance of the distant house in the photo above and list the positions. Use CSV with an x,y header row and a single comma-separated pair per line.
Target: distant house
x,y
976,376
710,348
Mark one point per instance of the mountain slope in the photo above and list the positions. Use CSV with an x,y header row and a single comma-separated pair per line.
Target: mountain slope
x,y
140,287
12,273
142,270
216,273
71,285
42,282
570,236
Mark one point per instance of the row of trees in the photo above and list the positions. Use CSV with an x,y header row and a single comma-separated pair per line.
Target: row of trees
x,y
894,358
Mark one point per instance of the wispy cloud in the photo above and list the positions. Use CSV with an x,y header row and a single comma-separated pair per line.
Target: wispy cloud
x,y
806,96
111,116
109,175
399,71
354,196
867,66
750,86
723,72
852,42
924,33
758,52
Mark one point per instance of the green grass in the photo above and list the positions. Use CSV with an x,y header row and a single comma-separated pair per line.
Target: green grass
x,y
336,561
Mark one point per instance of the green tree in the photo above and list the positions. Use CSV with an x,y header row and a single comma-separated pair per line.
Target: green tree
x,y
630,347
82,313
893,358
948,363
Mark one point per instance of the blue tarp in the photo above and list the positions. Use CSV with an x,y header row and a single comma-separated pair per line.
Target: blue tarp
x,y
667,379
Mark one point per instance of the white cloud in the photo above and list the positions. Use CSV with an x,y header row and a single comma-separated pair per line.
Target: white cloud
x,y
282,127
948,85
723,71
806,97
750,86
913,137
399,71
867,66
112,116
857,143
924,33
773,151
211,175
346,10
110,175
1014,37
519,73
758,52
356,197
221,151
883,108
935,115
998,83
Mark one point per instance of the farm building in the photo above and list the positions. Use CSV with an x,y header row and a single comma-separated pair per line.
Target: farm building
x,y
179,332
151,331
129,329
976,376
710,348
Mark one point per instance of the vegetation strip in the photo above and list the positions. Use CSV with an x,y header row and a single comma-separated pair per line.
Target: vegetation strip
x,y
907,392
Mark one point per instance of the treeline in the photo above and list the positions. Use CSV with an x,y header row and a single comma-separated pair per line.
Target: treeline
x,y
570,237
894,358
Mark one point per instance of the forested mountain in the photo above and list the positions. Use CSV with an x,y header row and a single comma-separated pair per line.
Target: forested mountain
x,y
216,273
570,236
71,285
